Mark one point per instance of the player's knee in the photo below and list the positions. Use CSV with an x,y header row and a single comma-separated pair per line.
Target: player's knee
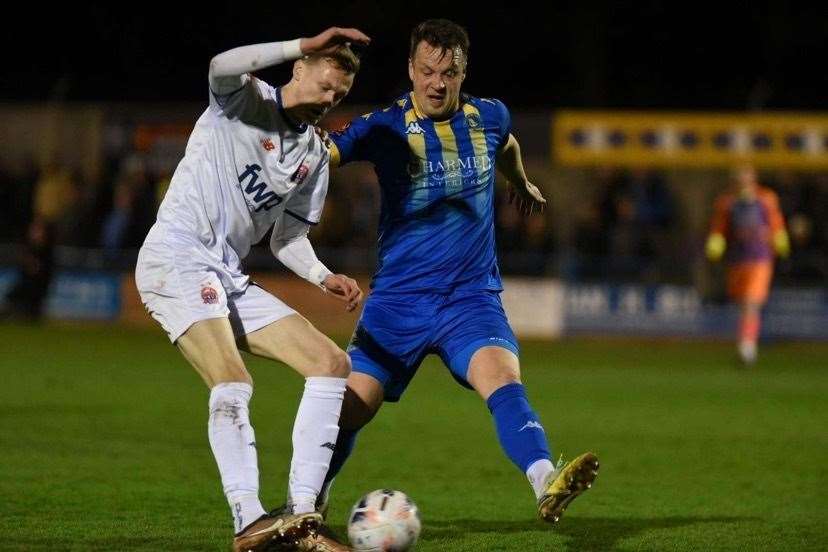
x,y
356,412
226,369
488,380
499,374
335,363
505,375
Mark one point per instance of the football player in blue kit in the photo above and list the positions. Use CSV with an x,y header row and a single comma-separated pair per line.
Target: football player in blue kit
x,y
437,286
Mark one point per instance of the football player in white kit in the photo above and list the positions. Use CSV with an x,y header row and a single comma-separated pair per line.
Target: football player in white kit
x,y
253,162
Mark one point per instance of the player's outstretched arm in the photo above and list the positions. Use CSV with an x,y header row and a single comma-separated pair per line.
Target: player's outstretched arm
x,y
290,244
227,68
526,195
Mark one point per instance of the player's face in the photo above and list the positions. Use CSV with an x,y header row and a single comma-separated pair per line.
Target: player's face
x,y
321,87
437,75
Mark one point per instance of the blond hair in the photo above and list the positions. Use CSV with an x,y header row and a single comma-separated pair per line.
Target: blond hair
x,y
343,57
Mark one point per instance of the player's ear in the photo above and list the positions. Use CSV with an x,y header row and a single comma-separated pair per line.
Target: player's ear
x,y
298,69
411,69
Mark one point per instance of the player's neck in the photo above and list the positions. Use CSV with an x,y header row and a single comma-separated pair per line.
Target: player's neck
x,y
290,104
748,192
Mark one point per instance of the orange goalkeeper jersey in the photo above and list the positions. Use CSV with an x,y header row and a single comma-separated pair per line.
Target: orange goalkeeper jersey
x,y
748,225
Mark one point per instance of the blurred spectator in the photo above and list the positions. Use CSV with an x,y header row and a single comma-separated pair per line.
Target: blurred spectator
x,y
26,298
637,216
8,191
134,204
589,242
54,195
508,222
524,244
804,201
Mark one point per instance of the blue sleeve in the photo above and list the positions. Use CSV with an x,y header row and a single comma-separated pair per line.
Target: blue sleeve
x,y
504,121
351,142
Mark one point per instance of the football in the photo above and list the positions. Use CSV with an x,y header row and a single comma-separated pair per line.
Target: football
x,y
384,521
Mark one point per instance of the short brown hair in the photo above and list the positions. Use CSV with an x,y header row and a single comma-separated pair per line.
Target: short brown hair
x,y
440,33
343,57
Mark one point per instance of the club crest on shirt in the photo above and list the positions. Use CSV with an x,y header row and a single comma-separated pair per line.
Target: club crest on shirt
x,y
209,295
473,121
268,144
300,174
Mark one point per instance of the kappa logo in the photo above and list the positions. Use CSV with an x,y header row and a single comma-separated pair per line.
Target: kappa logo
x,y
209,295
414,128
267,144
532,424
328,445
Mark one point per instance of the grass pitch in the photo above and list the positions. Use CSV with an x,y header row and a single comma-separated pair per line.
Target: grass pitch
x,y
103,446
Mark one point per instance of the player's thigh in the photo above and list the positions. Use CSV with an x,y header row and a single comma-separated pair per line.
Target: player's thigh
x,y
477,343
184,294
758,283
296,342
492,367
363,399
209,346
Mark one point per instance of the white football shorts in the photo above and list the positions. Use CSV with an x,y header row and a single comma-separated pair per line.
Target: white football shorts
x,y
182,286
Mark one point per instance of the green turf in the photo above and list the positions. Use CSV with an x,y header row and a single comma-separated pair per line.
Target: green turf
x,y
103,446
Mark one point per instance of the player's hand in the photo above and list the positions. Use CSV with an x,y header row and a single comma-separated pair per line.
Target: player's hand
x,y
344,289
715,246
323,134
782,244
527,198
329,40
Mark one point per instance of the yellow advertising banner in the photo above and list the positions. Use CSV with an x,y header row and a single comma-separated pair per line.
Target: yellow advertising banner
x,y
692,140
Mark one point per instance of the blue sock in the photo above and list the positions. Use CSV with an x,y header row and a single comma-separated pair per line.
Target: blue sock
x,y
518,428
344,446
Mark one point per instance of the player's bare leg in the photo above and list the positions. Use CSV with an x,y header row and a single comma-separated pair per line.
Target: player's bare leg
x,y
749,321
494,372
210,347
294,341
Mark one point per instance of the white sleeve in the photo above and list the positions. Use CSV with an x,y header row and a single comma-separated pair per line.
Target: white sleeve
x,y
290,244
234,93
227,68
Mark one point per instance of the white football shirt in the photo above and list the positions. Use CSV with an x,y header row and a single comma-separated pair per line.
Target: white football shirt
x,y
246,165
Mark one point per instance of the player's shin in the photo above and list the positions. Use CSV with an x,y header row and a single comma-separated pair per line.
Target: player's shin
x,y
521,434
234,447
314,439
344,447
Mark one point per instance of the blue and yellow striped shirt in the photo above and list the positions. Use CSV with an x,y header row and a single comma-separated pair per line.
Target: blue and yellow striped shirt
x,y
436,229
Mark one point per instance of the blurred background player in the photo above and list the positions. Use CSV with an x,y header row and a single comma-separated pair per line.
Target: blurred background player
x,y
748,224
437,287
252,164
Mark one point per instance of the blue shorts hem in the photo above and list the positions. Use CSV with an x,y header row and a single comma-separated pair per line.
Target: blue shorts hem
x,y
362,363
459,363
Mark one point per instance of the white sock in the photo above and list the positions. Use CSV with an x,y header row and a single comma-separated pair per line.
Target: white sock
x,y
538,474
234,446
314,438
747,350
